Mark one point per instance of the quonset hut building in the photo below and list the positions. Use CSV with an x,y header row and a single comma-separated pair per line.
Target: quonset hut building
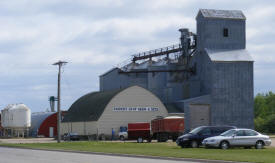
x,y
44,124
98,113
208,76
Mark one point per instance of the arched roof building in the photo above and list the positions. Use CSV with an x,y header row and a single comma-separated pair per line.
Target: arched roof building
x,y
100,112
44,124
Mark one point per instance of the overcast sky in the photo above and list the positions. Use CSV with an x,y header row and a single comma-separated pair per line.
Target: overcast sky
x,y
95,35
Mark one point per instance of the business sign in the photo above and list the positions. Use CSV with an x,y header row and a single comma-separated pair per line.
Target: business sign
x,y
135,109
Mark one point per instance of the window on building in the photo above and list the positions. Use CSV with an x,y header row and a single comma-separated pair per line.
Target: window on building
x,y
225,32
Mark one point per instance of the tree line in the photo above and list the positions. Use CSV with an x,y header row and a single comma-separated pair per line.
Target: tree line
x,y
264,112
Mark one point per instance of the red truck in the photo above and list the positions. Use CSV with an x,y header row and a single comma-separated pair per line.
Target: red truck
x,y
139,132
167,128
160,129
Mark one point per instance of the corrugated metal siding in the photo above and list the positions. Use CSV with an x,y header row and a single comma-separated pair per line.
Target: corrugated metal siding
x,y
230,84
1,128
157,82
228,55
210,33
222,14
199,115
113,80
204,68
36,120
232,94
50,121
206,99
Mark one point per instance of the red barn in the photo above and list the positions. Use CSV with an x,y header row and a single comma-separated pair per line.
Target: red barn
x,y
45,124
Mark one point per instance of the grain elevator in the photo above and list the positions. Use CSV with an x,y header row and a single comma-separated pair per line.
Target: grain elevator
x,y
208,75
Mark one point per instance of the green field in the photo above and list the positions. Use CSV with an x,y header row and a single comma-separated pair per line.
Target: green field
x,y
160,149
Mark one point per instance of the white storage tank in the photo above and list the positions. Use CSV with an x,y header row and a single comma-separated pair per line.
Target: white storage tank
x,y
16,116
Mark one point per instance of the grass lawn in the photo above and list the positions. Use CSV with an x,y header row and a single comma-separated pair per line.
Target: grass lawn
x,y
161,149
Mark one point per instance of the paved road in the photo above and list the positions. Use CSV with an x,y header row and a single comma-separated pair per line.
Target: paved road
x,y
51,140
28,140
14,155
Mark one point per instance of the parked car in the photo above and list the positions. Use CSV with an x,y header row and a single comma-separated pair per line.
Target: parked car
x,y
70,136
195,137
238,137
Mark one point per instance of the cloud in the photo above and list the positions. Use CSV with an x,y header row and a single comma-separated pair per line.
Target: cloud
x,y
93,36
53,37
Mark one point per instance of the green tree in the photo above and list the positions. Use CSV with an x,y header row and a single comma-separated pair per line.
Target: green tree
x,y
270,124
260,107
264,110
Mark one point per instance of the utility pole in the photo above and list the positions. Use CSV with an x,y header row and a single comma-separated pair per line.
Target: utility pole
x,y
60,64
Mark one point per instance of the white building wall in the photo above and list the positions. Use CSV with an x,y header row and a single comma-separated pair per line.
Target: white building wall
x,y
82,128
133,97
65,127
91,128
78,127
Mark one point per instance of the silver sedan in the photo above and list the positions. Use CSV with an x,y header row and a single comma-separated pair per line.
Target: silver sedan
x,y
238,137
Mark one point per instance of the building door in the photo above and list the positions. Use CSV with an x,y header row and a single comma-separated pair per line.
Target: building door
x,y
199,115
51,132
